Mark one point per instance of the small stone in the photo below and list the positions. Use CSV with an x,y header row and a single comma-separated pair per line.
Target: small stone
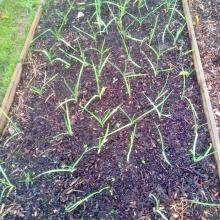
x,y
175,215
80,15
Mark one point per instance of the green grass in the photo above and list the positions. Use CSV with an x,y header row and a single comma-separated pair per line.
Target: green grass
x,y
15,20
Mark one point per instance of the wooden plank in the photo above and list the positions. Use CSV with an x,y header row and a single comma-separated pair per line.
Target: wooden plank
x,y
203,87
11,91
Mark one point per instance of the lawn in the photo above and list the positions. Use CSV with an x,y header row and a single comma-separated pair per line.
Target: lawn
x,y
15,20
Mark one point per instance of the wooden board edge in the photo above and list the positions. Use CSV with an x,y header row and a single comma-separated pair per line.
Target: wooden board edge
x,y
203,87
11,91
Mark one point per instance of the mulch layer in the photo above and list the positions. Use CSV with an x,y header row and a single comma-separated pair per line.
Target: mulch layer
x,y
42,144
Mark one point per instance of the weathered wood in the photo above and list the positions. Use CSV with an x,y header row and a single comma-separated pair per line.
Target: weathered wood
x,y
11,91
203,87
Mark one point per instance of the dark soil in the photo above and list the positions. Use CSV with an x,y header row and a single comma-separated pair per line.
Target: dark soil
x,y
36,150
207,33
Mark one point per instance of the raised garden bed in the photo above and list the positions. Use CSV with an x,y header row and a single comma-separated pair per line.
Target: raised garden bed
x,y
108,122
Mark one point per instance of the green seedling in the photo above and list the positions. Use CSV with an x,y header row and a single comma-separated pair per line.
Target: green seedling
x,y
158,54
28,179
163,147
202,203
160,94
103,140
70,208
185,74
67,119
208,152
67,44
159,111
102,120
123,40
91,36
130,119
52,59
153,31
45,84
54,33
89,102
64,18
98,12
122,6
98,69
81,59
158,209
127,77
132,138
140,4
75,90
6,184
178,34
152,12
166,29
133,120
68,168
159,101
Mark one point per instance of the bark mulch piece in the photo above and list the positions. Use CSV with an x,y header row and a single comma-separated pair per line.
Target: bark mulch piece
x,y
172,178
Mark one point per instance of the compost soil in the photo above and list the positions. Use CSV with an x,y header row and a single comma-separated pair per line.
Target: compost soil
x,y
38,148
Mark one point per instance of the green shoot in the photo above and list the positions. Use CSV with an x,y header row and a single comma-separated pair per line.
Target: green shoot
x,y
132,138
169,3
178,34
67,119
81,59
208,152
65,16
103,140
93,37
123,36
98,69
159,112
6,184
158,53
75,90
89,102
122,11
163,147
54,33
185,74
52,59
158,209
141,117
127,77
28,179
41,90
102,120
98,6
70,208
68,168
210,204
153,31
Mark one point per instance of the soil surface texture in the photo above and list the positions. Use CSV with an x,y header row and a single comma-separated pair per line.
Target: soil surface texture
x,y
136,164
